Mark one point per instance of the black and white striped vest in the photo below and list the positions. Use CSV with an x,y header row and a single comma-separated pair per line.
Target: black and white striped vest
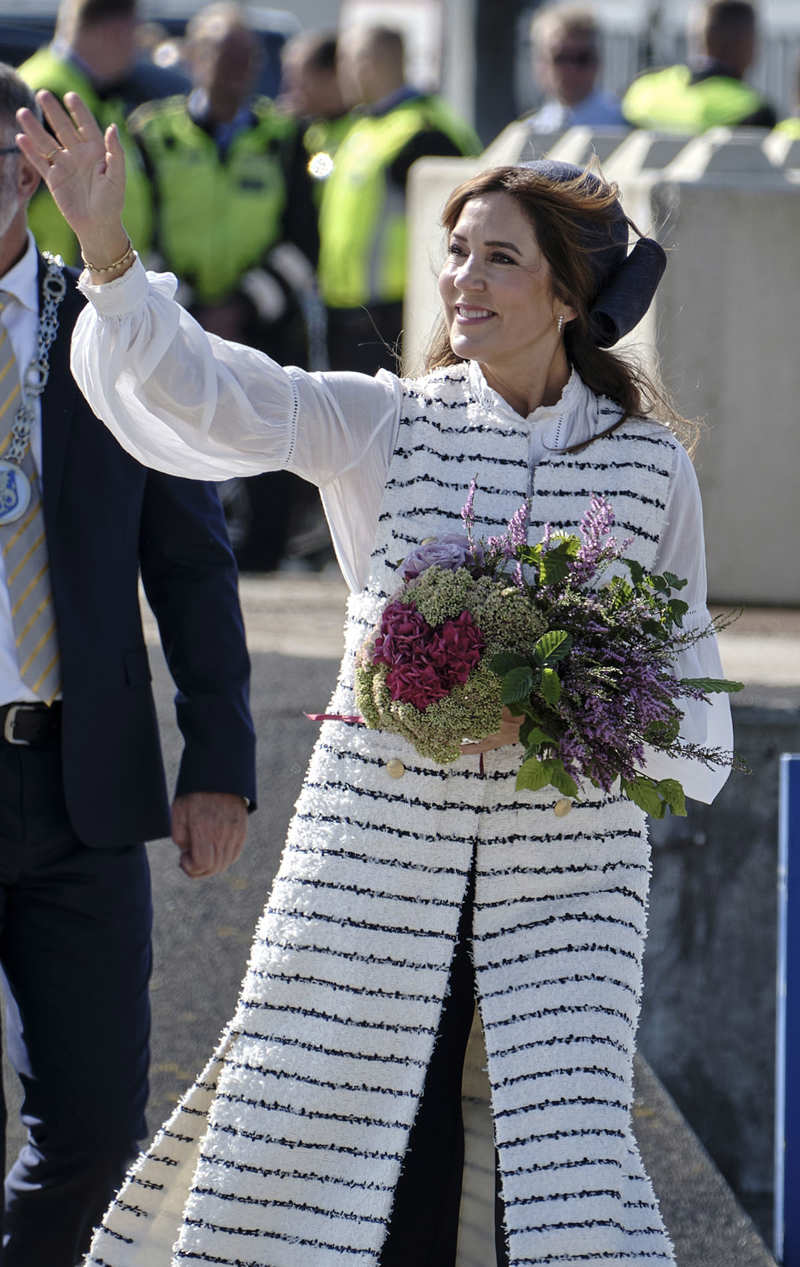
x,y
287,1150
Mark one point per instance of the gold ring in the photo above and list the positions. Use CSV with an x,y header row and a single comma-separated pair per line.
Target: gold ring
x,y
48,158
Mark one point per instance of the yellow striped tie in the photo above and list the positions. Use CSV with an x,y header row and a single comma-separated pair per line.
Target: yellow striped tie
x,y
25,553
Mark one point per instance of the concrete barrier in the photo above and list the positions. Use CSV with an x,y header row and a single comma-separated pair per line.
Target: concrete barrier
x,y
583,146
723,325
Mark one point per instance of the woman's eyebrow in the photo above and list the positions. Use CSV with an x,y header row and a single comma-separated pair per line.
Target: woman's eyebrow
x,y
508,246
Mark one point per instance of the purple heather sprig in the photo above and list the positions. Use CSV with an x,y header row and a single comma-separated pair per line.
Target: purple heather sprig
x,y
599,546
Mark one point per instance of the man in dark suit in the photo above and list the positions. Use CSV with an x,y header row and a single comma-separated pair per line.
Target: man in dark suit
x,y
81,778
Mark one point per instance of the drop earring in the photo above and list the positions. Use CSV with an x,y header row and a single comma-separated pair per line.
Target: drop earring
x,y
560,322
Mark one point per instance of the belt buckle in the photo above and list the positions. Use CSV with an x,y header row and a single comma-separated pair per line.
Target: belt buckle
x,y
8,726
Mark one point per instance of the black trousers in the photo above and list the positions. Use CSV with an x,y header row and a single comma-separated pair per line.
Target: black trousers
x,y
75,957
423,1228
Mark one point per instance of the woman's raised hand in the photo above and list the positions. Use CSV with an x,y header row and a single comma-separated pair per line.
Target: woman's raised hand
x,y
83,169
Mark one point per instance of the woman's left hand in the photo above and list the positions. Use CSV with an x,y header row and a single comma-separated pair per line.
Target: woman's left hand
x,y
508,733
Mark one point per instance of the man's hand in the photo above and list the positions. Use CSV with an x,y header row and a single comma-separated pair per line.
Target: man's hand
x,y
209,828
83,169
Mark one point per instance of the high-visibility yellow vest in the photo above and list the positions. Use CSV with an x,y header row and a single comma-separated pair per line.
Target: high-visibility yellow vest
x,y
362,224
790,126
668,100
52,233
216,215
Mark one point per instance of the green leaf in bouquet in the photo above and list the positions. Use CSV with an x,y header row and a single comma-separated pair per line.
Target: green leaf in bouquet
x,y
516,685
644,792
712,685
537,714
552,646
532,775
659,583
636,570
554,563
504,661
533,737
529,555
677,609
661,734
674,795
550,686
675,582
563,782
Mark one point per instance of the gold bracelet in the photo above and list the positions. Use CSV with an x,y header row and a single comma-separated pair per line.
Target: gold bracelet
x,y
126,258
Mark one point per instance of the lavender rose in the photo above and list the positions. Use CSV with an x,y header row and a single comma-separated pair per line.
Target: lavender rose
x,y
451,551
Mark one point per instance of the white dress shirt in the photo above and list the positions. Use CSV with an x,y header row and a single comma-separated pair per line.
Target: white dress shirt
x,y
193,405
21,320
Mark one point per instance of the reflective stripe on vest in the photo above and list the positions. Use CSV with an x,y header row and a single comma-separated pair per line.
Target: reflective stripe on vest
x,y
362,217
667,99
216,216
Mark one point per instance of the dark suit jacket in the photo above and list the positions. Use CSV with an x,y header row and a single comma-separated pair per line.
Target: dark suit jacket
x,y
107,517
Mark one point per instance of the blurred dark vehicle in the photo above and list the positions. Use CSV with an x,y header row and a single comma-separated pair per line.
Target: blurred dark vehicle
x,y
22,33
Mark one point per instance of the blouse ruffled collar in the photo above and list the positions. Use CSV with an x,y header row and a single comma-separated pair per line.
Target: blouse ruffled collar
x,y
574,419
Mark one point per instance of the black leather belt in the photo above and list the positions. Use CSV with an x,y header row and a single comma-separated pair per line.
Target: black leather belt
x,y
30,724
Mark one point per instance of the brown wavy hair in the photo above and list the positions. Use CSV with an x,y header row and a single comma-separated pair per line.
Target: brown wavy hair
x,y
556,211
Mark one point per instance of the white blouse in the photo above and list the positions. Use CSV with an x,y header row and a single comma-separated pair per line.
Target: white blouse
x,y
190,404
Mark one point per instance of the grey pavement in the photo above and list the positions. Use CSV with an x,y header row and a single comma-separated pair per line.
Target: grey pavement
x,y
203,928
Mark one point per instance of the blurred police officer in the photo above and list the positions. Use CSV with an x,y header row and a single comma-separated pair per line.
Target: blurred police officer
x,y
311,92
711,91
236,222
791,125
362,263
230,185
93,54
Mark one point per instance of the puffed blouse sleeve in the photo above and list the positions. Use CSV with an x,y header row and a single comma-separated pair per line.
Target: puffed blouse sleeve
x,y
682,552
190,404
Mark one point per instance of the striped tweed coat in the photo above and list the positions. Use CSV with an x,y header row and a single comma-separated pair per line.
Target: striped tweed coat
x,y
287,1150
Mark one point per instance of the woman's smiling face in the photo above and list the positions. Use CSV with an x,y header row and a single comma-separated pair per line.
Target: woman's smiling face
x,y
497,293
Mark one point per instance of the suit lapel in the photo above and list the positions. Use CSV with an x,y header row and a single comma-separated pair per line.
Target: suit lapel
x,y
58,400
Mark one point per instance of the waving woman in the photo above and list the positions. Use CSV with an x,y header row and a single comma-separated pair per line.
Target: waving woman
x,y
327,1128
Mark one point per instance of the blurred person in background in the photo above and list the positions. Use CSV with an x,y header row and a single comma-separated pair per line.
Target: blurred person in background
x,y
791,125
566,64
311,91
93,53
362,262
229,185
234,219
711,90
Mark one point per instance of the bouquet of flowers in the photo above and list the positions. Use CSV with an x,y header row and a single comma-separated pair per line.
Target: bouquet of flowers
x,y
482,625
